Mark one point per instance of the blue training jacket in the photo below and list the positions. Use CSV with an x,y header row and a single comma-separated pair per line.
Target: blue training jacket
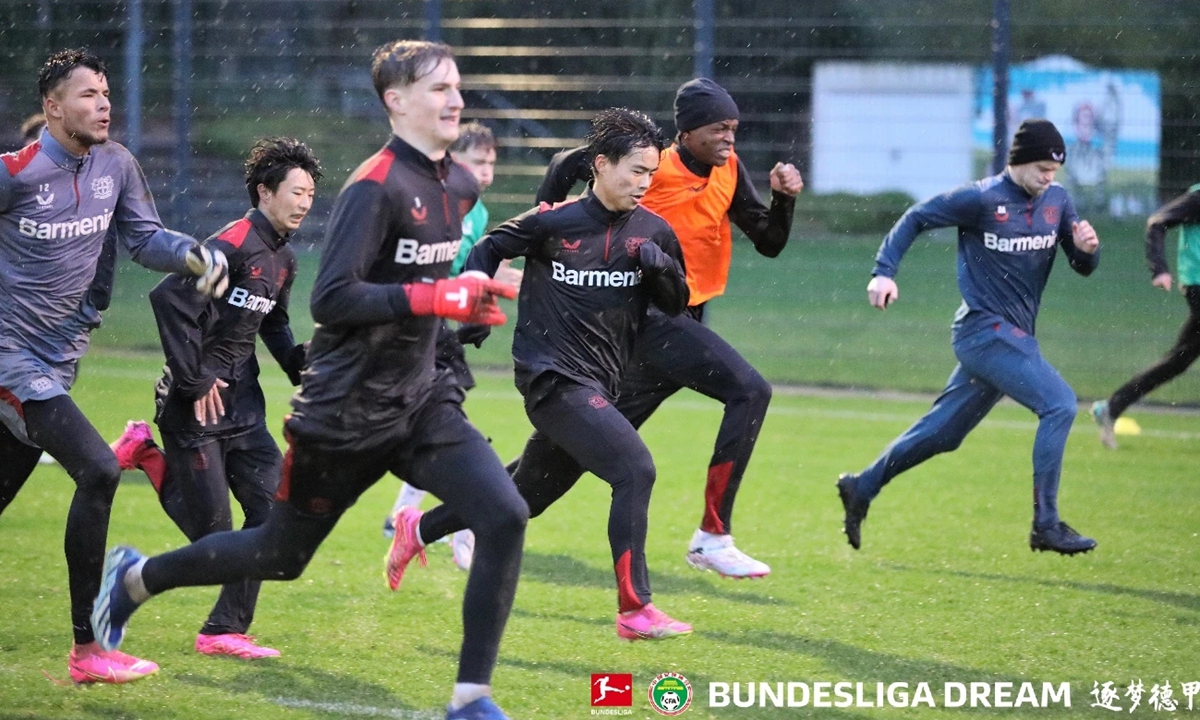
x,y
1006,247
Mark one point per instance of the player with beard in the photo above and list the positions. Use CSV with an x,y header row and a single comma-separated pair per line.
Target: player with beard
x,y
370,401
60,197
593,267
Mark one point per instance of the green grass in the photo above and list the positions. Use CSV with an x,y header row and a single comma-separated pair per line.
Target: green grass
x,y
803,317
944,589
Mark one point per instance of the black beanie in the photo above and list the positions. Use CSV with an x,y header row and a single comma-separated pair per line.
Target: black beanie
x,y
1037,140
702,102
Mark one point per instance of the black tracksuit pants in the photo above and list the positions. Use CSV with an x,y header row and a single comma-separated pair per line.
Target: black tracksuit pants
x,y
441,453
200,476
59,427
578,430
1177,359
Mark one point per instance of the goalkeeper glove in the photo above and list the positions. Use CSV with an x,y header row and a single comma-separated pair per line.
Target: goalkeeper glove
x,y
470,298
211,270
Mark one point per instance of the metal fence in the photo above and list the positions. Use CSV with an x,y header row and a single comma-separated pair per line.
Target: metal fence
x,y
211,75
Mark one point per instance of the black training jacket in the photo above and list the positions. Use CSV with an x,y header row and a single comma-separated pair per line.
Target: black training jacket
x,y
397,220
584,292
205,339
767,228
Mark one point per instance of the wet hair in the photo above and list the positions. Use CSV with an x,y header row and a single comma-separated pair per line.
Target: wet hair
x,y
403,62
270,161
58,68
473,135
31,129
617,132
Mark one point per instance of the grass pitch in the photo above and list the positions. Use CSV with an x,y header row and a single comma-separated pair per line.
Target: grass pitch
x,y
944,590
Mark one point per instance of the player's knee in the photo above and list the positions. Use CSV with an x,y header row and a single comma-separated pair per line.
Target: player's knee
x,y
509,517
101,476
1064,408
289,565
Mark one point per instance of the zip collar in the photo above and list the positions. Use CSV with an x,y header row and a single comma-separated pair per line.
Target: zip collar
x,y
438,170
265,229
60,156
592,205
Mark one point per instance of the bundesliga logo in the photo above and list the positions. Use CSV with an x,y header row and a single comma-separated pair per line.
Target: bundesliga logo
x,y
612,690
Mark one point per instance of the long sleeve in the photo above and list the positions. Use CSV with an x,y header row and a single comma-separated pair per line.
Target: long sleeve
x,y
356,231
1081,262
955,208
566,168
767,228
1184,209
141,231
181,314
667,284
276,331
518,237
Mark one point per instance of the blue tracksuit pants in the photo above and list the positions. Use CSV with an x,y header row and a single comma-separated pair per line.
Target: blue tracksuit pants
x,y
996,361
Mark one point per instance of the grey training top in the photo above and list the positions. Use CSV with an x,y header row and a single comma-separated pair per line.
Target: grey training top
x,y
56,210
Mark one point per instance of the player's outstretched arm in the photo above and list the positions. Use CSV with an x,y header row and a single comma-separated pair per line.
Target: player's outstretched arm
x,y
882,291
1181,210
961,206
276,331
565,169
768,228
1079,241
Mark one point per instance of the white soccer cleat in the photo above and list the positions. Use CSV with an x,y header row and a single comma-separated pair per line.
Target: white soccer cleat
x,y
719,554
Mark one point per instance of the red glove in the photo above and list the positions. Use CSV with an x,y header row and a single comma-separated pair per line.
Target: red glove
x,y
470,298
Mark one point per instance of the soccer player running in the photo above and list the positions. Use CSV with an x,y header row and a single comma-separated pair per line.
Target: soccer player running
x,y
1010,227
59,198
1184,212
700,187
475,149
211,409
593,266
370,401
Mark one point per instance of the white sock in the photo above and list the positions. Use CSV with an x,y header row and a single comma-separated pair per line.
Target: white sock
x,y
134,585
466,693
409,497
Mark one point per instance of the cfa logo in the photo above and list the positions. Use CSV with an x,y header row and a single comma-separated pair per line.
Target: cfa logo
x,y
670,694
612,689
412,252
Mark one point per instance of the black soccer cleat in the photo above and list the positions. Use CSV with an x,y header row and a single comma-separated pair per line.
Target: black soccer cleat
x,y
1061,538
855,507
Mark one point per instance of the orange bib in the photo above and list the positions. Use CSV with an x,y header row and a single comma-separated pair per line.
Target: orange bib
x,y
697,209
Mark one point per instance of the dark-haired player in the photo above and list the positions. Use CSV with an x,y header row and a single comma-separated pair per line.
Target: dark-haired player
x,y
370,401
1182,212
31,128
59,198
701,186
211,409
593,266
1010,227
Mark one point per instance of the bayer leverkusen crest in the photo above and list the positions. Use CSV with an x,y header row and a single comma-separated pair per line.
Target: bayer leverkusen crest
x,y
1050,213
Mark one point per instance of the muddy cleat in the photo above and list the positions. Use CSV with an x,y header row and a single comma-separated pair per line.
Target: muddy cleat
x,y
855,506
649,623
479,709
462,543
234,645
1104,419
1061,538
136,436
405,546
91,664
719,554
113,606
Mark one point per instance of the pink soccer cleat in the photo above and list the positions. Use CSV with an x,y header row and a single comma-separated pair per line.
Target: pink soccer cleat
x,y
649,623
137,434
90,664
405,546
234,645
